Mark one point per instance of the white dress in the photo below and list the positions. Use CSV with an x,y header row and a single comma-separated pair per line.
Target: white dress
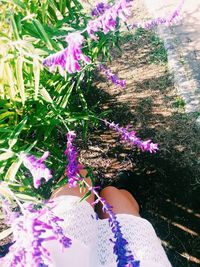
x,y
91,245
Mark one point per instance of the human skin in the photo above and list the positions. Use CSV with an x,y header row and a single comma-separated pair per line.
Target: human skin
x,y
120,199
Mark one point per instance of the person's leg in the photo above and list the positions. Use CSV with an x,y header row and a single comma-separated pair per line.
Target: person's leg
x,y
75,191
131,198
121,201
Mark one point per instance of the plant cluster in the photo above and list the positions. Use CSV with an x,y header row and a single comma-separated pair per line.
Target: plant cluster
x,y
49,52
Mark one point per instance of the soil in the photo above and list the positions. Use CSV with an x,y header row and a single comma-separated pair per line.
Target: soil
x,y
166,184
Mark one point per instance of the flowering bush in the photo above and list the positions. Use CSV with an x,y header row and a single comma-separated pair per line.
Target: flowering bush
x,y
49,52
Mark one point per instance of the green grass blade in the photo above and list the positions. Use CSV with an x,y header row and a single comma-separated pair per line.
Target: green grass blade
x,y
10,80
36,72
14,135
6,155
20,80
42,33
67,96
2,94
13,169
14,28
45,95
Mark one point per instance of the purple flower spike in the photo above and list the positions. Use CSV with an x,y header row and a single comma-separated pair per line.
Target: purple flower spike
x,y
149,146
131,138
160,20
37,168
112,77
107,21
31,232
124,256
73,166
100,9
68,59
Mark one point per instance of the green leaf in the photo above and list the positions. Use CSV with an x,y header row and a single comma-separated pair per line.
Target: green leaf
x,y
20,4
20,79
14,136
86,196
36,72
42,33
6,155
46,96
6,114
26,197
10,80
30,147
66,96
62,6
5,191
61,183
14,27
13,169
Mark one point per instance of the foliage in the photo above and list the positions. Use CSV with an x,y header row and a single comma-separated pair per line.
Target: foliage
x,y
38,108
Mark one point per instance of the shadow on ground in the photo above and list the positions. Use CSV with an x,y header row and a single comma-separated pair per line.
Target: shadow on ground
x,y
165,184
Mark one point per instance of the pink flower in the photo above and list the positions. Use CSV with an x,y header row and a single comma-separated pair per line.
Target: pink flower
x,y
149,146
112,77
131,138
99,9
68,59
37,168
73,166
31,233
169,20
108,20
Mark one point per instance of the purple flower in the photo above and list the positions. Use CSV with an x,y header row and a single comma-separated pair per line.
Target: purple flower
x,y
73,166
99,9
111,76
160,20
131,138
58,231
124,256
107,21
68,59
149,146
37,168
31,231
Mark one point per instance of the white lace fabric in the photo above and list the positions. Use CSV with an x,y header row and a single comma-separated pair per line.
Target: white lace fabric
x,y
91,238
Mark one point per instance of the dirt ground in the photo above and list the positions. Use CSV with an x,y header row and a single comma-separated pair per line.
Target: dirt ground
x,y
165,184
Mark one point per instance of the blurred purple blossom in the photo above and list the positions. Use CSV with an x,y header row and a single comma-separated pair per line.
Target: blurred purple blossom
x,y
160,20
112,77
68,59
99,9
124,256
73,166
108,20
37,168
131,138
30,232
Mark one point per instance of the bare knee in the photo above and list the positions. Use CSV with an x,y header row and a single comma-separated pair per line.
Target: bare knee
x,y
108,191
119,201
131,198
